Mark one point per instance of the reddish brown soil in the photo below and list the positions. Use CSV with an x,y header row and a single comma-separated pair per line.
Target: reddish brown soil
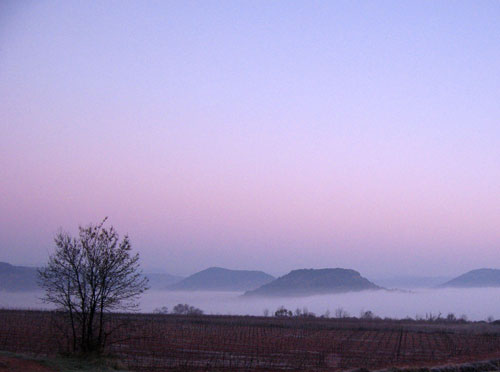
x,y
12,364
146,342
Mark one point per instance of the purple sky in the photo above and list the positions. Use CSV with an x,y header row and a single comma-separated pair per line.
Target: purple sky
x,y
265,135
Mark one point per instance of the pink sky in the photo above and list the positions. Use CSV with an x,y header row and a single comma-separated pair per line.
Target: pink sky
x,y
255,136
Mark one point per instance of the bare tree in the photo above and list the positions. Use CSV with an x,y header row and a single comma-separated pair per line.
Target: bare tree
x,y
341,313
161,310
89,276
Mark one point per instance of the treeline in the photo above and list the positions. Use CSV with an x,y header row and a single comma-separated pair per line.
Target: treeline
x,y
179,309
339,313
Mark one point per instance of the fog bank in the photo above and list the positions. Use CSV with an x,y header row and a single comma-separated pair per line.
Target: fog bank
x,y
476,304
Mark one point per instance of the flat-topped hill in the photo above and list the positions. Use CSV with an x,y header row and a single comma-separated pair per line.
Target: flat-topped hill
x,y
305,282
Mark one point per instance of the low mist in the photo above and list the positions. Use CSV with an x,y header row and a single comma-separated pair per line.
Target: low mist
x,y
475,304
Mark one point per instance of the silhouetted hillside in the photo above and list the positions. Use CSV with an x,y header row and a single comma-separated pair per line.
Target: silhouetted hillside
x,y
219,279
307,282
476,278
162,280
17,278
411,282
24,278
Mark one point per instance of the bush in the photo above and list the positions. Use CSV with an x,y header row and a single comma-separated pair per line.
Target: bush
x,y
283,312
367,315
161,310
185,309
451,317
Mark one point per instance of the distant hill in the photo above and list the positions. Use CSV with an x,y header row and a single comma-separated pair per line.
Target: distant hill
x,y
476,279
219,279
306,282
24,278
17,278
162,280
411,282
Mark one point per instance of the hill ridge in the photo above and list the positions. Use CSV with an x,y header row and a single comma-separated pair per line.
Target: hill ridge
x,y
221,279
477,278
15,278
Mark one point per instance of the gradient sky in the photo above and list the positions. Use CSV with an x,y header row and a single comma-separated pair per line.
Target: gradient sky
x,y
266,135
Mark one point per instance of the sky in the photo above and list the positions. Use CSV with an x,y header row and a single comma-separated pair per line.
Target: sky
x,y
267,135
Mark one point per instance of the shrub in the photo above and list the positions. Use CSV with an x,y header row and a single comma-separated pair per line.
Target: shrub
x,y
283,312
185,309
